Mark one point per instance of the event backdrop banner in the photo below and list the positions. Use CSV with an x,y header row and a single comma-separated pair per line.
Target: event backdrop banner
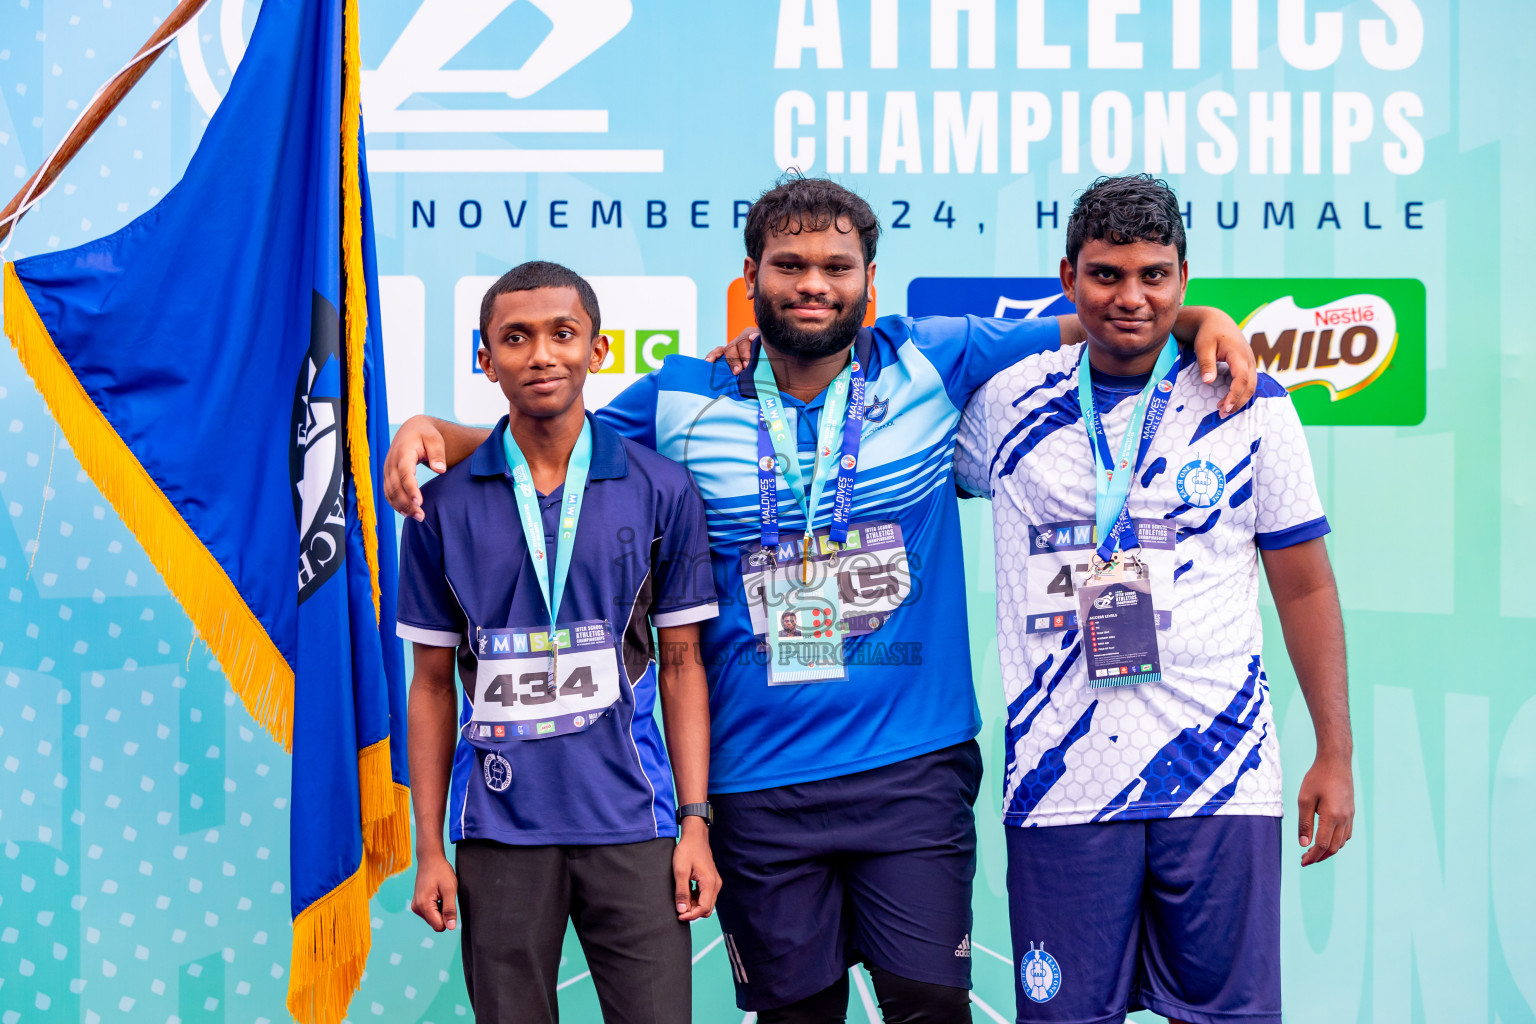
x,y
1351,179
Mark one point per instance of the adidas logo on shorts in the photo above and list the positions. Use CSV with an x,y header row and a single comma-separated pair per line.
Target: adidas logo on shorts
x,y
964,949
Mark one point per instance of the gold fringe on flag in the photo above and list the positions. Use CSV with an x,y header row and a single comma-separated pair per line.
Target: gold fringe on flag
x,y
331,938
256,670
355,299
386,807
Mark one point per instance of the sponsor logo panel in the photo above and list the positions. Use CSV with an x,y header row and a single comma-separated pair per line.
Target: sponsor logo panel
x,y
1350,350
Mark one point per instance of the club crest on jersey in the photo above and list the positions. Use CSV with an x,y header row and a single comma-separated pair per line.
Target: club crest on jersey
x,y
876,410
1201,483
498,773
1040,974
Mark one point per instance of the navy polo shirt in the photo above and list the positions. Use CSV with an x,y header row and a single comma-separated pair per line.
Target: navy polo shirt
x,y
641,558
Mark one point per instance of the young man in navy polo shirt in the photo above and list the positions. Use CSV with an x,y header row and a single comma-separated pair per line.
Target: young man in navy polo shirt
x,y
540,565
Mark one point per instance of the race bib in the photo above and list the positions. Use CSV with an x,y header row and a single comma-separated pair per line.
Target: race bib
x,y
517,698
805,608
1059,556
870,572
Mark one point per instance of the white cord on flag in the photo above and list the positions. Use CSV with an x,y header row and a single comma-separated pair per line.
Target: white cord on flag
x,y
29,200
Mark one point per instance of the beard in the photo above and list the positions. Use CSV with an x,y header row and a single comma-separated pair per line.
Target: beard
x,y
809,343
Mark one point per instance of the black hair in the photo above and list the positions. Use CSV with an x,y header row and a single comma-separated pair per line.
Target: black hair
x,y
1131,208
797,203
526,277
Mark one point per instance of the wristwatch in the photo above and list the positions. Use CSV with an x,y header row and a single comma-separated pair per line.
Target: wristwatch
x,y
703,810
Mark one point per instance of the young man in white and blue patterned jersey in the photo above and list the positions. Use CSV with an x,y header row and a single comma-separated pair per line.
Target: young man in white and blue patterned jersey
x,y
1144,812
843,827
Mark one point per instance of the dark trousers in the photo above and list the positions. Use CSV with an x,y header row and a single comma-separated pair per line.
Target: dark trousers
x,y
514,902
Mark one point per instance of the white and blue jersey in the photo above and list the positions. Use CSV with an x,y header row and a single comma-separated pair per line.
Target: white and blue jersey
x,y
640,558
908,690
1208,494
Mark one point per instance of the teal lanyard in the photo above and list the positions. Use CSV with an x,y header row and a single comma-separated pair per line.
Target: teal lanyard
x,y
1112,484
533,522
828,445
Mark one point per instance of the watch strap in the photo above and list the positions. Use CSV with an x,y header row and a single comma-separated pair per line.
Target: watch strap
x,y
702,810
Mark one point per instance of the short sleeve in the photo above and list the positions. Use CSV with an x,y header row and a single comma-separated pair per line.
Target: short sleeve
x,y
633,412
427,613
973,446
966,351
685,582
1288,510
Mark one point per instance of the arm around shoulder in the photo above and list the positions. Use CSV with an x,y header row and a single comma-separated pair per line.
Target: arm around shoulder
x,y
425,440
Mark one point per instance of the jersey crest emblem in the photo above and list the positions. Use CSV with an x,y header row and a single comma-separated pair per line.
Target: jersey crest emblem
x,y
1040,974
1201,483
875,411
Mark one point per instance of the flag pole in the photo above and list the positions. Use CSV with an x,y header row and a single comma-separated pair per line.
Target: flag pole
x,y
100,108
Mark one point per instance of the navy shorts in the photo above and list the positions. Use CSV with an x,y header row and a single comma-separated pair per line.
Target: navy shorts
x,y
1180,916
874,867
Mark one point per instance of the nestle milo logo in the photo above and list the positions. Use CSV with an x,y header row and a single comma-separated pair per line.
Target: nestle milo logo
x,y
1349,351
1343,346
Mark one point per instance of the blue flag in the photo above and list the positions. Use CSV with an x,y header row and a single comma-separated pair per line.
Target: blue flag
x,y
217,367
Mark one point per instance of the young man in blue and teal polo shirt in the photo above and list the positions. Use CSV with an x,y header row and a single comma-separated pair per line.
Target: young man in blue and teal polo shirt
x,y
539,565
843,763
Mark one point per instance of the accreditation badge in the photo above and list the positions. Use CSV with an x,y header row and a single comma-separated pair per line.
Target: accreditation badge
x,y
805,633
1119,624
533,683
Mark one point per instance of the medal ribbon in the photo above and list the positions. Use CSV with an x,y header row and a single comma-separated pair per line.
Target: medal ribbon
x,y
533,524
843,408
1112,479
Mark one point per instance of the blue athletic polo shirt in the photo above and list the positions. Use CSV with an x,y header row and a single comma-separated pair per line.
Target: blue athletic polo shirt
x,y
641,558
909,687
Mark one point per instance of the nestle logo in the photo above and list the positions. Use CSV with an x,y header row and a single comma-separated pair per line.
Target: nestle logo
x,y
1343,315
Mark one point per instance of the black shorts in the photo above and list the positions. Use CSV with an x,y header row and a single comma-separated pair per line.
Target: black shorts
x,y
873,867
